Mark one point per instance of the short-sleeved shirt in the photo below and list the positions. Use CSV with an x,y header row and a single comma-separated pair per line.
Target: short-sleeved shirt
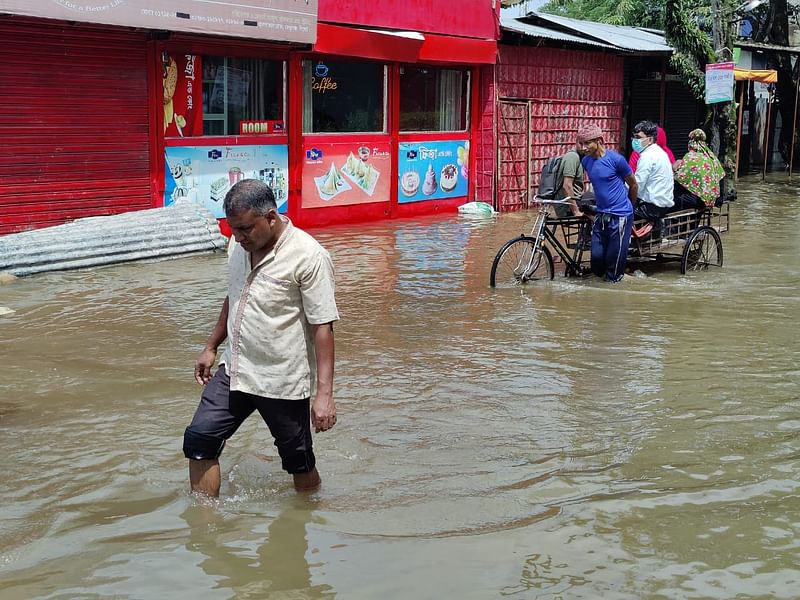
x,y
607,175
270,351
655,178
570,167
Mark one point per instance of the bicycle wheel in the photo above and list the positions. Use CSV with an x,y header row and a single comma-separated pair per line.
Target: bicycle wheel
x,y
520,261
703,250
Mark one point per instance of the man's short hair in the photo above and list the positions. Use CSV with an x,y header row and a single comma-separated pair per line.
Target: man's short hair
x,y
648,128
249,194
589,132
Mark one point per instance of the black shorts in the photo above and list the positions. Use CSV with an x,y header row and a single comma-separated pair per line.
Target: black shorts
x,y
221,412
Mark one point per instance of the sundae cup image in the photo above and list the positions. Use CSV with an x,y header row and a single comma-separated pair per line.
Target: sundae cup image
x,y
363,153
409,183
235,174
429,186
449,178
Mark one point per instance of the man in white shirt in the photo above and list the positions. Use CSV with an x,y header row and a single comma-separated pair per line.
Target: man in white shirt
x,y
278,322
653,174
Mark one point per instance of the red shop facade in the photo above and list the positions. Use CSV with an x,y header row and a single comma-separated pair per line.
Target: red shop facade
x,y
372,118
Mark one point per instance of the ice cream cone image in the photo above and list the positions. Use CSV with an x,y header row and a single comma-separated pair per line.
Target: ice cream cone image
x,y
170,82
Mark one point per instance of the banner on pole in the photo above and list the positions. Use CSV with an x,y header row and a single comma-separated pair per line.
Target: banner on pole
x,y
719,82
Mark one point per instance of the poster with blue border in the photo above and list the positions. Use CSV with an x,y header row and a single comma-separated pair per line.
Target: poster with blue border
x,y
432,170
204,174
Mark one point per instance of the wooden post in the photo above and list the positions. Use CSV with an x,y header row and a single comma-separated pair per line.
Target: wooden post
x,y
766,135
794,127
739,130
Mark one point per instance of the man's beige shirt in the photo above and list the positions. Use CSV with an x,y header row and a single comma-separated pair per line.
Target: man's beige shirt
x,y
270,349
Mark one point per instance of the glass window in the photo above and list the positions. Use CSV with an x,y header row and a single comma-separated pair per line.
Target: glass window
x,y
343,97
434,99
240,89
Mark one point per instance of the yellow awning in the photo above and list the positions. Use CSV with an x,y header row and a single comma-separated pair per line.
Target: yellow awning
x,y
764,76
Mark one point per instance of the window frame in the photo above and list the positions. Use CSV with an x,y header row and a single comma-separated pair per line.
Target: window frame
x,y
221,52
344,60
468,117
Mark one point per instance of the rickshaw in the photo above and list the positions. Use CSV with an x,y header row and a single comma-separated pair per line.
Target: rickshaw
x,y
690,237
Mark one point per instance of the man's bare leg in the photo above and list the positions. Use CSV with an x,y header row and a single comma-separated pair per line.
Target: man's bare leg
x,y
204,476
307,482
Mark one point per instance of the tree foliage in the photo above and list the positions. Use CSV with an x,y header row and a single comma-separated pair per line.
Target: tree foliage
x,y
614,12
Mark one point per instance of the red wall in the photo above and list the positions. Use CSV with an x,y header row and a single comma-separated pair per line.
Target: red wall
x,y
466,18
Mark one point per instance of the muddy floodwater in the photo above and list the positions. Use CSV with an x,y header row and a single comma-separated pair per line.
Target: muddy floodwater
x,y
570,440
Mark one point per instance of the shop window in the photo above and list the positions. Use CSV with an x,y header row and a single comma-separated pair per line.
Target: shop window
x,y
241,89
434,99
343,97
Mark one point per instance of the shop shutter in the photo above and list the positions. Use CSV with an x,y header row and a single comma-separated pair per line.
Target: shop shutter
x,y
74,122
645,103
682,116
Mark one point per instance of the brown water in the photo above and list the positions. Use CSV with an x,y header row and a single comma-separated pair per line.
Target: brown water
x,y
576,440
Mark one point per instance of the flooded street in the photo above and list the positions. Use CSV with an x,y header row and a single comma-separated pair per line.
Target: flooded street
x,y
573,440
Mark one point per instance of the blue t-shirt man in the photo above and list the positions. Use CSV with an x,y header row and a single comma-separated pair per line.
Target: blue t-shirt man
x,y
611,230
607,174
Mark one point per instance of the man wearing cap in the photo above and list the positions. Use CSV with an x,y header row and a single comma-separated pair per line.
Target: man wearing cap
x,y
608,173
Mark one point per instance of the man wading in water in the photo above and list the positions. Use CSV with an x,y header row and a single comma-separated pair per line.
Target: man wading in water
x,y
278,321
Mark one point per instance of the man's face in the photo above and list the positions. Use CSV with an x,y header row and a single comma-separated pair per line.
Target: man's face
x,y
591,147
645,139
254,231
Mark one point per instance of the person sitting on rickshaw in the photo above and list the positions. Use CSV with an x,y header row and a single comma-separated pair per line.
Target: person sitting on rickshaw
x,y
698,175
654,176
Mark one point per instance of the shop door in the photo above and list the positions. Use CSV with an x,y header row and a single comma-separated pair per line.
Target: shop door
x,y
74,117
513,185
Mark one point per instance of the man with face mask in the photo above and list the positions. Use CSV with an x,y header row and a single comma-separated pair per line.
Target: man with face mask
x,y
653,174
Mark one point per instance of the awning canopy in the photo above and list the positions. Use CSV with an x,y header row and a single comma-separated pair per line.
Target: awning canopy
x,y
403,46
764,75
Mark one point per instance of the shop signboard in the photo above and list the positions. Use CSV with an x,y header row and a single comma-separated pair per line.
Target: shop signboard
x,y
719,82
204,174
343,173
183,95
432,170
284,20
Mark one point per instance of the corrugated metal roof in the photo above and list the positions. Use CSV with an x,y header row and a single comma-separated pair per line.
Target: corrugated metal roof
x,y
627,39
158,233
517,26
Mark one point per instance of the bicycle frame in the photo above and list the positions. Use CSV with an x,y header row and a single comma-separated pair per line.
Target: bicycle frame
x,y
543,233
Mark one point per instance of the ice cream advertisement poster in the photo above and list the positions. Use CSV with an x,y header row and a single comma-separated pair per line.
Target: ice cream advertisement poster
x,y
182,82
432,170
204,174
342,173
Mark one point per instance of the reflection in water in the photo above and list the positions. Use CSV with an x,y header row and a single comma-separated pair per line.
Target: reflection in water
x,y
269,564
569,440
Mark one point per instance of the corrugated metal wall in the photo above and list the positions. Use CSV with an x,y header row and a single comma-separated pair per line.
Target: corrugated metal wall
x,y
565,89
74,123
486,150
